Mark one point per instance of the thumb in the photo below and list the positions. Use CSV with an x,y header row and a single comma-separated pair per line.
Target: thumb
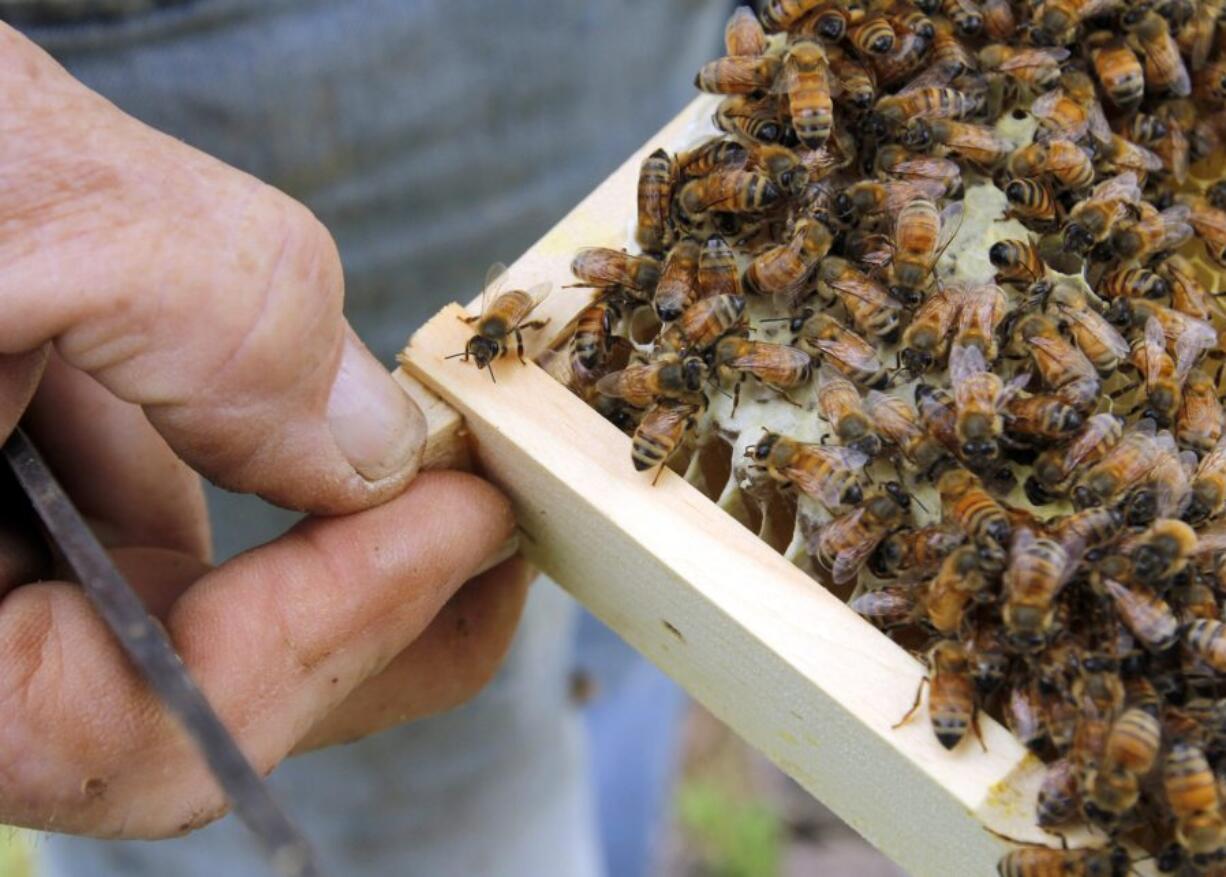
x,y
193,290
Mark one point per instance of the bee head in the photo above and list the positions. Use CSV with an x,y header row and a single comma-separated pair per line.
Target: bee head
x,y
797,324
483,350
898,493
844,207
906,295
832,26
916,362
694,373
970,25
762,450
917,134
668,311
1077,239
1000,254
1036,492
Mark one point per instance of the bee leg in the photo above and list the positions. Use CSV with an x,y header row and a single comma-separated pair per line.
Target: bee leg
x,y
535,324
786,398
467,320
978,732
736,395
919,691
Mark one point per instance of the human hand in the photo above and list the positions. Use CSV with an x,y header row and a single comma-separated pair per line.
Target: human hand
x,y
165,313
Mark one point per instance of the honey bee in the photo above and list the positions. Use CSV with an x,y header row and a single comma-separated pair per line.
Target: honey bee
x,y
1188,294
1209,223
655,195
886,607
925,340
806,82
1038,68
965,15
1145,613
603,268
1058,797
845,543
1057,21
1112,790
743,34
718,273
1031,201
1197,34
1032,861
872,36
979,396
1092,528
1154,232
1161,551
899,423
1163,376
1102,345
832,342
874,197
972,508
593,339
1209,483
782,271
914,552
660,433
1187,335
738,74
1191,794
1017,262
1117,68
920,237
1069,110
948,52
871,251
870,306
1117,154
918,100
728,191
704,323
958,582
857,84
1037,571
828,473
1177,120
776,365
951,696
839,404
1041,418
1131,283
989,662
751,118
1063,368
780,15
668,377
717,153
938,413
977,144
939,177
1164,68
1122,467
1091,220
782,165
1206,638
504,315
909,56
678,285
1058,158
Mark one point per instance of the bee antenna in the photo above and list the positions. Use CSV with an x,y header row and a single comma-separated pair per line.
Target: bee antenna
x,y
491,371
789,319
454,355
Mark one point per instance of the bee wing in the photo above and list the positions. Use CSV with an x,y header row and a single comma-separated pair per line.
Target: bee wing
x,y
1043,105
1014,386
1211,541
1146,158
1121,187
494,278
951,221
787,80
1215,460
1096,325
963,363
1034,57
1100,129
867,292
826,490
1176,228
1155,349
1197,336
1023,538
848,562
1180,154
885,605
933,76
538,292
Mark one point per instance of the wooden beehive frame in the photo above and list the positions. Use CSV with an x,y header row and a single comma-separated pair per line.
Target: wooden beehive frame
x,y
762,645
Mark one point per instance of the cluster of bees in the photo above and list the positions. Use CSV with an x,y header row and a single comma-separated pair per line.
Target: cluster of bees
x,y
1011,451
